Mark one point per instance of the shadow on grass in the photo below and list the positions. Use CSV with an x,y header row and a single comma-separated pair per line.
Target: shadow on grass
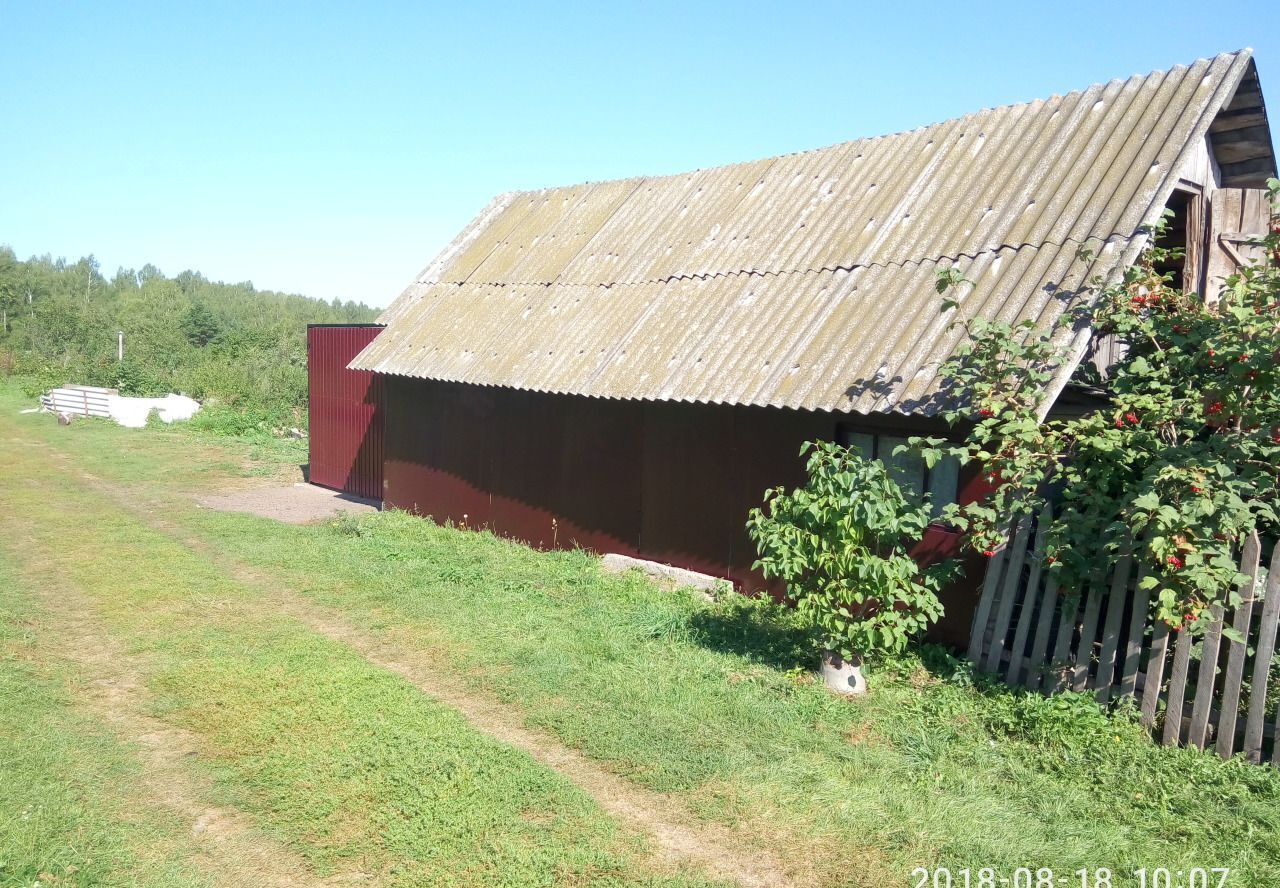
x,y
775,635
761,631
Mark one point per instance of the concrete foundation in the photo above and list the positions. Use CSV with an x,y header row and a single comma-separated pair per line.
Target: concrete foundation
x,y
679,576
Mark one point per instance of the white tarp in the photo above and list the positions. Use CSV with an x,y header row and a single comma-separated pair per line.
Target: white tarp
x,y
133,412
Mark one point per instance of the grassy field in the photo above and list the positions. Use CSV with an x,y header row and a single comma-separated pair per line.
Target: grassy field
x,y
331,757
66,812
347,765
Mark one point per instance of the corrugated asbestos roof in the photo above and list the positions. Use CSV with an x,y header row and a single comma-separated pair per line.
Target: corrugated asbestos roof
x,y
806,280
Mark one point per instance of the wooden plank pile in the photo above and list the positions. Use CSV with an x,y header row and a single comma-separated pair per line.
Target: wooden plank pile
x,y
79,400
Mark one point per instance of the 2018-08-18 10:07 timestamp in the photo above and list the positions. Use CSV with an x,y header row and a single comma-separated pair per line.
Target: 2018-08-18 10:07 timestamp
x,y
1046,877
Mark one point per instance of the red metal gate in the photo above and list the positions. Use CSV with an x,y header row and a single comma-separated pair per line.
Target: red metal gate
x,y
346,412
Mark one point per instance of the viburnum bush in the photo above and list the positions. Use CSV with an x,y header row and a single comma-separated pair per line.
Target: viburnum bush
x,y
1182,462
841,544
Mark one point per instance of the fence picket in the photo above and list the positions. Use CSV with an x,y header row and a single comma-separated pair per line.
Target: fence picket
x,y
1062,645
1155,672
995,571
1238,650
1206,678
1133,637
1253,730
1040,645
1029,600
1008,594
1088,634
1111,631
1177,689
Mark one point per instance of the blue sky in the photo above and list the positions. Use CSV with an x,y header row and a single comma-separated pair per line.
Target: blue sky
x,y
332,150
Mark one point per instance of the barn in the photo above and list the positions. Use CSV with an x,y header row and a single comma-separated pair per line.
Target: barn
x,y
627,365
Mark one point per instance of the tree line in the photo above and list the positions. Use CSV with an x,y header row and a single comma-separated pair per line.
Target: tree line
x,y
241,350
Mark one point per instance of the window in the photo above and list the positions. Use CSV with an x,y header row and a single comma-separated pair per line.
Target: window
x,y
909,470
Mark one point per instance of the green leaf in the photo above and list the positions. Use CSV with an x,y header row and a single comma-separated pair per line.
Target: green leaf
x,y
1148,502
1232,635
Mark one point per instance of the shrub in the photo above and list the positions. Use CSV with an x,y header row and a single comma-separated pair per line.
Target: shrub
x,y
1182,458
840,544
250,423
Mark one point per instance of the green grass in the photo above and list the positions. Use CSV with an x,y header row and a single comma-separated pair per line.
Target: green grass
x,y
348,764
251,434
67,813
361,772
714,703
183,456
707,701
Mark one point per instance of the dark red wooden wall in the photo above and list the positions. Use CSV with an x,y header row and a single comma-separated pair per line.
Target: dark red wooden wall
x,y
346,411
669,482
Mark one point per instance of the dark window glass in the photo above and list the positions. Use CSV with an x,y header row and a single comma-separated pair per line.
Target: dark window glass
x,y
907,469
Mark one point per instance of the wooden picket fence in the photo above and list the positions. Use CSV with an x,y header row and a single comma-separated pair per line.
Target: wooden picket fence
x,y
1214,690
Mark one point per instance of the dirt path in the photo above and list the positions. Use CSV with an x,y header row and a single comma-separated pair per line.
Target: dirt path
x,y
292,504
714,850
678,838
229,849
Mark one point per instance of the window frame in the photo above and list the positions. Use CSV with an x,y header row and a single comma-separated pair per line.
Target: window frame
x,y
844,431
